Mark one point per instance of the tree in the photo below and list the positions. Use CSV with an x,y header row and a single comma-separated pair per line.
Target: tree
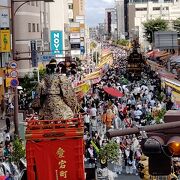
x,y
123,42
176,25
153,25
93,45
110,151
18,151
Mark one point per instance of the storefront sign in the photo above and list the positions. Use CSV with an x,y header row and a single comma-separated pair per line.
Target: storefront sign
x,y
4,18
57,42
5,41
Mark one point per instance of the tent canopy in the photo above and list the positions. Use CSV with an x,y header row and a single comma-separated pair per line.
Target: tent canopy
x,y
113,91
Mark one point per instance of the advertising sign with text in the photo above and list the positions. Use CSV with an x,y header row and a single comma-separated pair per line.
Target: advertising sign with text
x,y
57,42
4,18
5,41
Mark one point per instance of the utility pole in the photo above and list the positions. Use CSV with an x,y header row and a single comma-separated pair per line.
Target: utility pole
x,y
16,106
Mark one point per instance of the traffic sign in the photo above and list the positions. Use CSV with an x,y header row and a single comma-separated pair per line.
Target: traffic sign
x,y
47,57
13,65
14,74
14,83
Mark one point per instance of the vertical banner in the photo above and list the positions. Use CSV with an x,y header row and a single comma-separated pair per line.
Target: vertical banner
x,y
55,160
5,40
57,42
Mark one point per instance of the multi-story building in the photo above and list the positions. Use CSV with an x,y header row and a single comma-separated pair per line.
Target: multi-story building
x,y
61,9
119,5
71,24
4,25
101,32
78,8
141,12
31,26
111,23
5,51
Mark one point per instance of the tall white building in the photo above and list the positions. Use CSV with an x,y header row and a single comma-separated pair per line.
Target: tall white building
x,y
119,6
59,19
141,12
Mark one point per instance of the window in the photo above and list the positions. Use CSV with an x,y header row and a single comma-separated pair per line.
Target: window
x,y
32,3
71,20
33,27
37,27
29,27
156,8
29,3
37,4
141,9
70,6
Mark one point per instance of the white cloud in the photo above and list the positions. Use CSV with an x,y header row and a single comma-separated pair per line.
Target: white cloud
x,y
95,10
108,1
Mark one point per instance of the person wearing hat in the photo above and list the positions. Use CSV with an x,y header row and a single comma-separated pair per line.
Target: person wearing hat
x,y
57,97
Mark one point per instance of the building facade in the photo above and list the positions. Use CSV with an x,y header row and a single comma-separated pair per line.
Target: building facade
x,y
31,32
119,5
78,8
141,12
111,23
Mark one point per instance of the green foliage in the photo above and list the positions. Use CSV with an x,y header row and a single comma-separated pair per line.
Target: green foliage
x,y
161,96
42,73
27,84
153,25
18,151
123,81
160,116
123,42
110,151
93,45
176,24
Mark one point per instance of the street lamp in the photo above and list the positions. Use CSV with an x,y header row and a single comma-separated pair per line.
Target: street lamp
x,y
13,13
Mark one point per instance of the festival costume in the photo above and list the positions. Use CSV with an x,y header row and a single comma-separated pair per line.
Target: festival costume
x,y
57,96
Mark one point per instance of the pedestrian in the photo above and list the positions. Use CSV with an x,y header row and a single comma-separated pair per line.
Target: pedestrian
x,y
118,163
8,124
87,120
3,109
128,156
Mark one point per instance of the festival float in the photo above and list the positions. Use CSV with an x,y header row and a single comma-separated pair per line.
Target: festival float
x,y
54,147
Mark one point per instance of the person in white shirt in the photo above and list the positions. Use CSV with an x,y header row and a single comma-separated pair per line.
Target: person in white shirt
x,y
87,120
93,112
137,114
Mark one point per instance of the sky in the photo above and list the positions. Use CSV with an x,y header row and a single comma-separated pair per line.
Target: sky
x,y
95,10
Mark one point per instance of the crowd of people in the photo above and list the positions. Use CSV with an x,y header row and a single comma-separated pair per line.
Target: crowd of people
x,y
140,104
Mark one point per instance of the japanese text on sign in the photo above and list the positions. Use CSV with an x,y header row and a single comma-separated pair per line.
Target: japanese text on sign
x,y
62,163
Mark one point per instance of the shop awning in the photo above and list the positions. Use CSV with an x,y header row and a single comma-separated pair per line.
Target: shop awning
x,y
175,84
113,91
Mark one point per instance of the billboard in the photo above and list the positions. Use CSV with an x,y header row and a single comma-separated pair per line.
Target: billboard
x,y
75,35
166,40
4,18
57,42
5,41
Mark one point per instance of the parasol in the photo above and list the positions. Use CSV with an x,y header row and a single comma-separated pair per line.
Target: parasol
x,y
113,91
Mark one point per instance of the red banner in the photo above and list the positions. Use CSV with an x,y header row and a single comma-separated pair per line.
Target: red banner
x,y
55,160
